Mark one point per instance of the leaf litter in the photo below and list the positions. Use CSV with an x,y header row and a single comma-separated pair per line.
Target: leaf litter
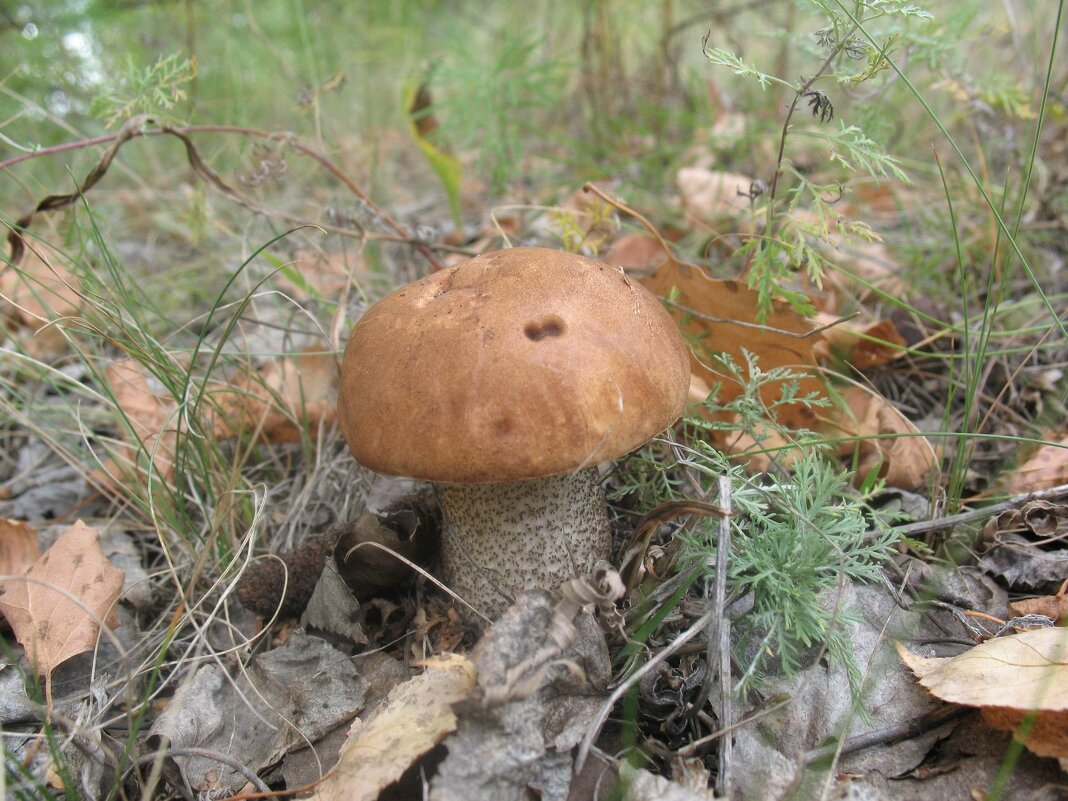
x,y
505,719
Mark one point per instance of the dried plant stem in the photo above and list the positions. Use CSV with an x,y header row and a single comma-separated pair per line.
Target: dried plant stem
x,y
137,126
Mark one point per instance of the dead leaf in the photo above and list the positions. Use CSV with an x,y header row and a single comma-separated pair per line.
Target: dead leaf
x,y
57,609
39,291
284,399
416,716
320,274
1024,676
18,547
1047,466
713,197
720,317
634,252
147,426
885,440
282,699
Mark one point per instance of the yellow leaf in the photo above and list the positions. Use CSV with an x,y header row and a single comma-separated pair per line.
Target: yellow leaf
x,y
1020,683
416,716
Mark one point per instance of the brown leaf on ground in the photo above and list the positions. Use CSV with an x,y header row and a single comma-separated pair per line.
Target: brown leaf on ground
x,y
416,716
1047,466
720,317
885,440
284,399
320,274
1019,682
715,197
634,252
864,343
18,547
39,291
58,608
147,426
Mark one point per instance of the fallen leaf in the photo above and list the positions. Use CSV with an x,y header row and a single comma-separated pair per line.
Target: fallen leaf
x,y
1047,466
18,547
416,716
1019,682
40,290
282,699
319,274
881,438
57,609
713,196
719,317
147,424
634,252
284,399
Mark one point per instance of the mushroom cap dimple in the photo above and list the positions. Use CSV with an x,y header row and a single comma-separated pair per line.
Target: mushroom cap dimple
x,y
517,364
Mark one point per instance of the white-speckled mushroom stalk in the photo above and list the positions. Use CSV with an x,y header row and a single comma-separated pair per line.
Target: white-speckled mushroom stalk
x,y
504,538
506,380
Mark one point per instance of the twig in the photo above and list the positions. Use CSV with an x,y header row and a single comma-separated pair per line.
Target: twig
x,y
925,526
136,127
215,756
618,204
772,329
726,716
889,735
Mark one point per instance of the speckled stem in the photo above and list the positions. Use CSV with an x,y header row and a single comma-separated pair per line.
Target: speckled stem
x,y
504,538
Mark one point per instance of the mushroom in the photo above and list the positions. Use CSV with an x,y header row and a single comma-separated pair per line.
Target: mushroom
x,y
506,380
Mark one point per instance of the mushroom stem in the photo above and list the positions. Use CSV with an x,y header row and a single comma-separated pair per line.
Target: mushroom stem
x,y
501,539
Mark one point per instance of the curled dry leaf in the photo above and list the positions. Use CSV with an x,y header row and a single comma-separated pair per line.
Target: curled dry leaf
x,y
1022,679
18,547
864,345
287,397
1047,466
885,440
57,609
416,716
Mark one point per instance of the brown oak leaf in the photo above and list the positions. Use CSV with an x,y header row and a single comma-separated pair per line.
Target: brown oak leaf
x,y
57,609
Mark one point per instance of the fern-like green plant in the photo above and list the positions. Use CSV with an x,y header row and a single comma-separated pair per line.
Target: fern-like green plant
x,y
155,89
788,242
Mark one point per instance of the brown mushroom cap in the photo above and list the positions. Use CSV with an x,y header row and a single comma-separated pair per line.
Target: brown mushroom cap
x,y
517,364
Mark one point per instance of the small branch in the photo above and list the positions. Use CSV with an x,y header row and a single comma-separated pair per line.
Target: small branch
x,y
925,526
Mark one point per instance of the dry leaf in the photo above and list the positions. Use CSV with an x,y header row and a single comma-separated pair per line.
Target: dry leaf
x,y
57,609
18,547
886,441
1047,467
148,426
41,290
416,716
634,252
711,196
1010,679
284,399
721,316
320,274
